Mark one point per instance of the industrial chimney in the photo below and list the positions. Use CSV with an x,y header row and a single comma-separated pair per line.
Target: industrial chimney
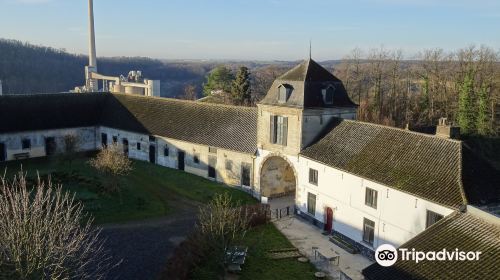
x,y
91,85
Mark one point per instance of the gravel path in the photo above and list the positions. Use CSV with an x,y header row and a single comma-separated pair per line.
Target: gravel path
x,y
145,246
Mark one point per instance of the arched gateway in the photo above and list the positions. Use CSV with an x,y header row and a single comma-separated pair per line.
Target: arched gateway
x,y
277,178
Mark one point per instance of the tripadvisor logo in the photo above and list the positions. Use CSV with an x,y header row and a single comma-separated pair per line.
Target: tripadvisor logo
x,y
387,255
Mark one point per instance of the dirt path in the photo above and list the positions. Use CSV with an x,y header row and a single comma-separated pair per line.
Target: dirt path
x,y
144,246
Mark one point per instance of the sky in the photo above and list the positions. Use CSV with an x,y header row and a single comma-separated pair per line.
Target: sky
x,y
253,29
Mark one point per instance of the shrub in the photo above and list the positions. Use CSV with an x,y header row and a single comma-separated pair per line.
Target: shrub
x,y
42,235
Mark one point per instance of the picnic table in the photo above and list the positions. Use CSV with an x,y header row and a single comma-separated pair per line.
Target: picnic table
x,y
235,257
327,254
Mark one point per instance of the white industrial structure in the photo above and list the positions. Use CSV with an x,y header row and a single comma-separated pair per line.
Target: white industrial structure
x,y
134,83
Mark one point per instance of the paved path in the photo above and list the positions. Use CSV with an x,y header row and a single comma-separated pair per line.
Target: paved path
x,y
304,236
144,246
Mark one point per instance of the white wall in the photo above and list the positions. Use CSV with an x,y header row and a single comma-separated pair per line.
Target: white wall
x,y
399,216
226,176
13,141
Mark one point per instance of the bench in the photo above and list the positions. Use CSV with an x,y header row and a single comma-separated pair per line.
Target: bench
x,y
21,156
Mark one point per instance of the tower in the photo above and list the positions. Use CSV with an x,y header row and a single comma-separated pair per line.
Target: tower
x,y
91,83
299,106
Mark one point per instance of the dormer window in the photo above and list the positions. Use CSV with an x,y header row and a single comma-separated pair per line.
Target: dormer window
x,y
284,92
328,94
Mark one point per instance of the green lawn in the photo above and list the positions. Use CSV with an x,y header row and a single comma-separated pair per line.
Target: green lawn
x,y
260,240
147,192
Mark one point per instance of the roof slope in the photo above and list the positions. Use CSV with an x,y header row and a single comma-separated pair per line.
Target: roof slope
x,y
307,80
309,70
49,111
423,165
464,231
227,127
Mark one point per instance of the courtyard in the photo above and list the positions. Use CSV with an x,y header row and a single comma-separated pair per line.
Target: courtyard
x,y
155,211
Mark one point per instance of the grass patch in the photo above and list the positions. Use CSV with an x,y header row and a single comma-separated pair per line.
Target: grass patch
x,y
260,240
147,191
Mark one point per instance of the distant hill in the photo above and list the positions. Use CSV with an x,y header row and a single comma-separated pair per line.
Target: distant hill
x,y
27,68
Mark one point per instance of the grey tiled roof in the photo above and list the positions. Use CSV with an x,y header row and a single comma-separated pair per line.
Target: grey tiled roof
x,y
423,165
228,127
463,231
49,111
307,80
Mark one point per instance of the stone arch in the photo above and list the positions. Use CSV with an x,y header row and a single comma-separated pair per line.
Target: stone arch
x,y
277,177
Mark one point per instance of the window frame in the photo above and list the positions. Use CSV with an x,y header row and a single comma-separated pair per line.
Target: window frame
x,y
311,207
278,130
284,92
367,223
371,197
324,93
313,176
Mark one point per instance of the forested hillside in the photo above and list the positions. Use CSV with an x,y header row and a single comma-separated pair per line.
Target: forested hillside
x,y
26,68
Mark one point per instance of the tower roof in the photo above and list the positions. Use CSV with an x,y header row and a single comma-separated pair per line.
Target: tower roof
x,y
309,70
306,83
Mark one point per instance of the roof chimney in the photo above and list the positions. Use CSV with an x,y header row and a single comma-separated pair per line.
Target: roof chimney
x,y
444,130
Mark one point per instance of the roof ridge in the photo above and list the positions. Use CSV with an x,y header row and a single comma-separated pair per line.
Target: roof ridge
x,y
404,130
164,99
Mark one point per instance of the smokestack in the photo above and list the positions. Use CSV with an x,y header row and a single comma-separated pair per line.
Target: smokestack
x,y
1,90
92,51
92,85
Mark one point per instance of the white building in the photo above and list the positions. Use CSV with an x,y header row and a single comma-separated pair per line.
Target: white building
x,y
366,184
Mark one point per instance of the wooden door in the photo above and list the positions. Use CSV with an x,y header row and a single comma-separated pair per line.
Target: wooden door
x,y
152,154
180,160
329,219
50,146
212,163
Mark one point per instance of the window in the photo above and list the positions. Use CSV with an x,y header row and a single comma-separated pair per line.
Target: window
x,y
368,231
328,94
152,138
115,139
229,164
279,130
313,176
212,150
432,218
166,151
138,146
371,198
196,158
311,203
284,92
245,174
26,143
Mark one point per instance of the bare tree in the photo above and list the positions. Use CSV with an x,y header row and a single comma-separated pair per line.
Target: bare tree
x,y
113,163
44,235
222,223
190,92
